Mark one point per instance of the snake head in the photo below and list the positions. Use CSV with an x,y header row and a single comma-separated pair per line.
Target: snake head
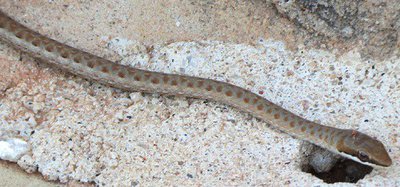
x,y
363,148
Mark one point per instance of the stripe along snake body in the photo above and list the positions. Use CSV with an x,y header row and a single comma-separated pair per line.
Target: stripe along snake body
x,y
349,143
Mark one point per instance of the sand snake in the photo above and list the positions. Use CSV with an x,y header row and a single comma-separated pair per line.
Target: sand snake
x,y
346,142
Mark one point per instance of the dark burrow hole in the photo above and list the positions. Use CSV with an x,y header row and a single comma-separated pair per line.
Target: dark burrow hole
x,y
329,167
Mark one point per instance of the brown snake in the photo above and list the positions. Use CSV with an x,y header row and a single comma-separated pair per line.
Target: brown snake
x,y
349,143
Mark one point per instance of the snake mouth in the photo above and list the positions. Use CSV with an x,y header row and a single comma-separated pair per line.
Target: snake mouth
x,y
386,162
384,159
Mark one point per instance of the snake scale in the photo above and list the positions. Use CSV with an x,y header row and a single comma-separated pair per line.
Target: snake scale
x,y
346,142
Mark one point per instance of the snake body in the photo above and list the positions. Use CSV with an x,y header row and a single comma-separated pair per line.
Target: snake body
x,y
349,143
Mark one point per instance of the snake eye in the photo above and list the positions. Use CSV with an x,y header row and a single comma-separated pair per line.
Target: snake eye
x,y
363,156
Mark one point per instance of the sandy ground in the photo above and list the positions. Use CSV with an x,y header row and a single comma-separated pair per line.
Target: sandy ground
x,y
82,131
12,175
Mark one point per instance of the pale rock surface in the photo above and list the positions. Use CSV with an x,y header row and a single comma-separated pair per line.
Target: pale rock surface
x,y
13,149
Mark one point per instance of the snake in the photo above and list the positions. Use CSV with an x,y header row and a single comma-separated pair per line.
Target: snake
x,y
349,143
